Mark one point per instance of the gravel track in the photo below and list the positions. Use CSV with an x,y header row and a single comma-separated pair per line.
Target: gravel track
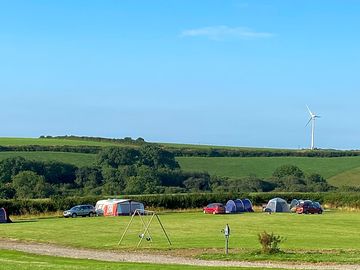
x,y
121,256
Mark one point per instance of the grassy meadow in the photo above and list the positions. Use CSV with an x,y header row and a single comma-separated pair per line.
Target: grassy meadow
x,y
334,169
332,232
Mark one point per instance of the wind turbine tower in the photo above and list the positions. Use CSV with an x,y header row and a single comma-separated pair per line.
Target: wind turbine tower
x,y
313,116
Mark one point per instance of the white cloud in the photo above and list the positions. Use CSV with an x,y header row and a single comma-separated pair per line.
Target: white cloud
x,y
223,32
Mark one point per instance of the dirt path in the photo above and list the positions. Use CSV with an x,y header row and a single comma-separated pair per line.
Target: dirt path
x,y
102,255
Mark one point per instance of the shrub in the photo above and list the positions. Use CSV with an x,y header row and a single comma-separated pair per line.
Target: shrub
x,y
269,242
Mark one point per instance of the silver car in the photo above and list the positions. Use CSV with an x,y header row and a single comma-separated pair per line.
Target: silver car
x,y
80,210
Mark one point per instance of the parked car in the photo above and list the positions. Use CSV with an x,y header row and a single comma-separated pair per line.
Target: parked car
x,y
214,208
80,210
309,207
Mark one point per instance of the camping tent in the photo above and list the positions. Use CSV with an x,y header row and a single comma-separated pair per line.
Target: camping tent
x,y
238,206
118,207
230,207
4,217
294,203
247,205
277,205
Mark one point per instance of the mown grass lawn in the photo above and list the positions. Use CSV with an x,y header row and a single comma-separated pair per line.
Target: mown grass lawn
x,y
333,230
23,261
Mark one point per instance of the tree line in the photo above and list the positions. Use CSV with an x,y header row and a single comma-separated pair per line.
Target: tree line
x,y
148,169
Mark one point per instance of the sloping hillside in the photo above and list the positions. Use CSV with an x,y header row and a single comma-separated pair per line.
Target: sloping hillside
x,y
331,168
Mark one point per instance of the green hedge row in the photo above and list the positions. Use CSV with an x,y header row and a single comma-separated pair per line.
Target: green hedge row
x,y
192,152
178,201
87,149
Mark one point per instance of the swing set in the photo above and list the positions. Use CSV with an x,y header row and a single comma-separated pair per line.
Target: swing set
x,y
145,233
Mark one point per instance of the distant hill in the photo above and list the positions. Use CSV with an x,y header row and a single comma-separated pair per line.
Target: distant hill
x,y
343,168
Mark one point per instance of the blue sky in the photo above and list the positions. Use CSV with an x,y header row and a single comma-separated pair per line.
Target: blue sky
x,y
208,72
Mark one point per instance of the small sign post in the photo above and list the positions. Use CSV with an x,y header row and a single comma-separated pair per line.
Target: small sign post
x,y
226,232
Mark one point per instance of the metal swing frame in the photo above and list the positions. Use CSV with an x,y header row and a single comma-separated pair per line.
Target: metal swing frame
x,y
140,213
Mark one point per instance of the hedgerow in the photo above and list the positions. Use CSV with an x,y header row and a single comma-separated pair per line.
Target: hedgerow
x,y
178,201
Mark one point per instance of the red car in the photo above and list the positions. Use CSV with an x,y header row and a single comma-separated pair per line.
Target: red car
x,y
214,208
309,207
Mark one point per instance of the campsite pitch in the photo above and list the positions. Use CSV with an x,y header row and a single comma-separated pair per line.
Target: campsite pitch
x,y
196,233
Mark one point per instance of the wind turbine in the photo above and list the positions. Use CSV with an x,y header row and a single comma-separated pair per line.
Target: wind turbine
x,y
313,116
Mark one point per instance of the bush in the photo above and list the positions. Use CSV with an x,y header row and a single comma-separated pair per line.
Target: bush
x,y
269,242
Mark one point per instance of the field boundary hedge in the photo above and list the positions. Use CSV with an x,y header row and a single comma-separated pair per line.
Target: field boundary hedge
x,y
179,201
189,152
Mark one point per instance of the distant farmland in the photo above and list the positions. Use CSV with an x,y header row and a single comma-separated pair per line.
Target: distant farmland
x,y
235,167
337,170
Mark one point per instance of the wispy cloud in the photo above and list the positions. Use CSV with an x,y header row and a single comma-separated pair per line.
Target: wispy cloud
x,y
223,32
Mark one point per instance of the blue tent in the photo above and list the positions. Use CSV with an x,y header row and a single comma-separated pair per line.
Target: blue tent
x,y
239,206
247,205
230,207
4,217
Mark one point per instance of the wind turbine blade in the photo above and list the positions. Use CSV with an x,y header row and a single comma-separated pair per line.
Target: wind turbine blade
x,y
308,122
309,110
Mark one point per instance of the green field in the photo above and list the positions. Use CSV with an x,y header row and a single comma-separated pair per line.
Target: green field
x,y
332,232
237,167
339,171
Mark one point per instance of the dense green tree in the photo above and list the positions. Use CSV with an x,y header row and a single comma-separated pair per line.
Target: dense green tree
x,y
316,183
28,184
288,170
198,182
155,157
145,182
171,178
12,166
251,184
291,183
7,191
118,156
89,179
58,172
114,180
219,184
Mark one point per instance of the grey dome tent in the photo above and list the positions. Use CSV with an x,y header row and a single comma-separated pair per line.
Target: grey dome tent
x,y
294,203
247,205
277,205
